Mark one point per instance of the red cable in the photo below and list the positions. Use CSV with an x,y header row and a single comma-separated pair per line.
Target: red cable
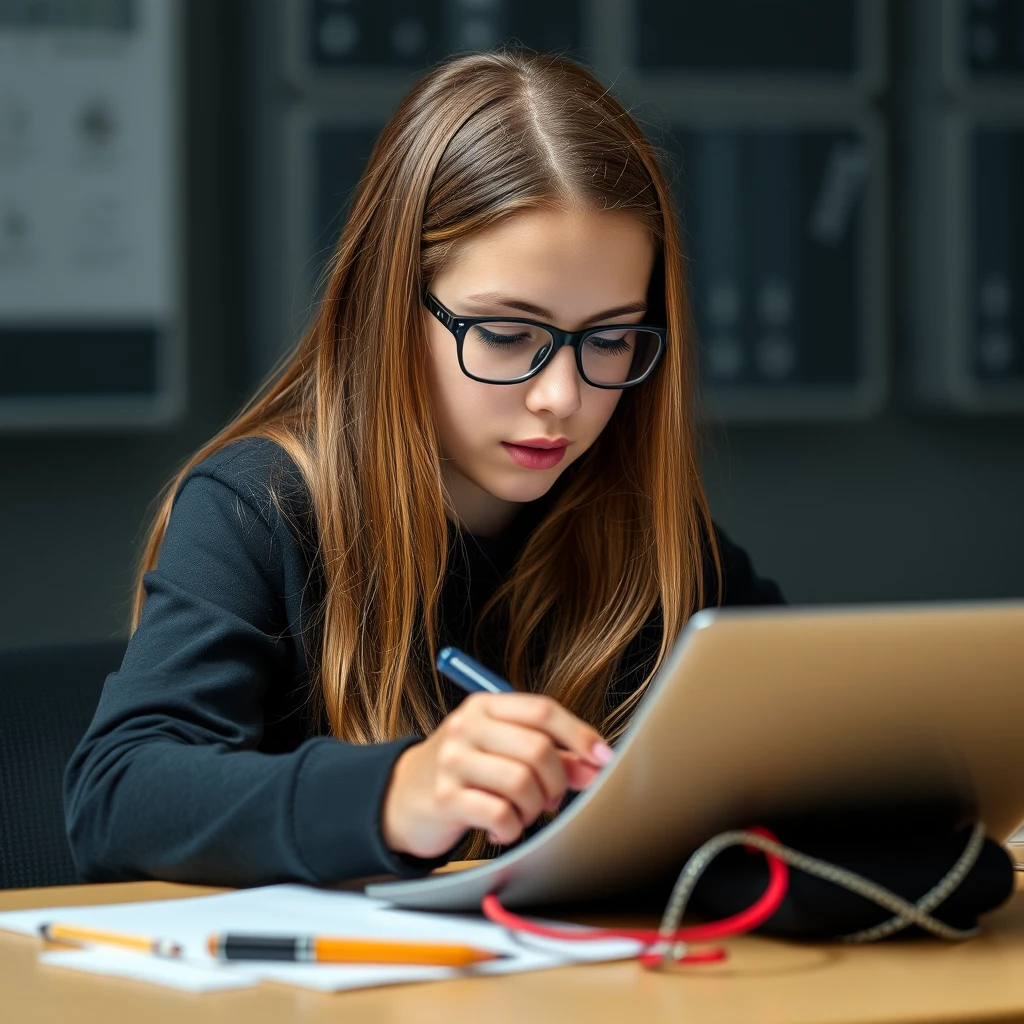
x,y
744,921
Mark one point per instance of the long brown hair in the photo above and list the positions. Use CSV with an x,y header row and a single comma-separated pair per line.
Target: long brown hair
x,y
480,137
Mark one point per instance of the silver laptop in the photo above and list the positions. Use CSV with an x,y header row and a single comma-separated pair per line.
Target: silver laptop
x,y
766,711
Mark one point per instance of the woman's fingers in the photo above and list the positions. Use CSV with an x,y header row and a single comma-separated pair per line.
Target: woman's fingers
x,y
535,711
477,808
533,748
495,763
579,774
509,779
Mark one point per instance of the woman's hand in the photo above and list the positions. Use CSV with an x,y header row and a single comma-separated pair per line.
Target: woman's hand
x,y
494,763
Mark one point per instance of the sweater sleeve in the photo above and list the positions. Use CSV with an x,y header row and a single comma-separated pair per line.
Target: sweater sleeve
x,y
168,781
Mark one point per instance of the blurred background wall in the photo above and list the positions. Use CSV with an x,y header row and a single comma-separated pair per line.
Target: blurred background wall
x,y
850,175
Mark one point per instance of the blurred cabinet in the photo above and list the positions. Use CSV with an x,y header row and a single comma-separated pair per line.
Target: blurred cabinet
x,y
966,205
784,218
326,154
90,305
801,44
767,114
328,37
994,156
984,42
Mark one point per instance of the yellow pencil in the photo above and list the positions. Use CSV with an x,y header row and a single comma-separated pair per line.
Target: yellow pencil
x,y
70,934
324,949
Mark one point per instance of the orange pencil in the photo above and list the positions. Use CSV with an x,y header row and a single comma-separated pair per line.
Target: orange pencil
x,y
324,949
70,934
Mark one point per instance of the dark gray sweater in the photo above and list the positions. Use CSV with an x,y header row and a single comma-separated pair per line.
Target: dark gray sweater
x,y
202,763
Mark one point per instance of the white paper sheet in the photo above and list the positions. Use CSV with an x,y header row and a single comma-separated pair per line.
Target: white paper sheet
x,y
301,910
189,977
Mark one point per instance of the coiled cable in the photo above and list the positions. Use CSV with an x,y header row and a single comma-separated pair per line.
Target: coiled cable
x,y
670,944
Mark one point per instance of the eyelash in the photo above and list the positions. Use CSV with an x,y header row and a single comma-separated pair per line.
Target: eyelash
x,y
616,348
501,340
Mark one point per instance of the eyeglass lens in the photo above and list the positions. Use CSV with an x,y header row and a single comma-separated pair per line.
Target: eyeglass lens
x,y
499,351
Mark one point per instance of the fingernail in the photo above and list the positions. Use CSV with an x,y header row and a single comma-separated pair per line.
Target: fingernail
x,y
602,753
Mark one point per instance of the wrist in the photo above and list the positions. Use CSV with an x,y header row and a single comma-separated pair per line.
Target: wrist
x,y
393,816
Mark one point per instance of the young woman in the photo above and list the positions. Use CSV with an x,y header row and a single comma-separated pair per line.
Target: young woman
x,y
486,439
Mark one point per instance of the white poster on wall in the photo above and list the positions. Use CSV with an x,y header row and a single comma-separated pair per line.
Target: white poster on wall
x,y
90,311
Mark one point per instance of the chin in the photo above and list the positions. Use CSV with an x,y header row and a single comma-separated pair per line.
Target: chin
x,y
535,486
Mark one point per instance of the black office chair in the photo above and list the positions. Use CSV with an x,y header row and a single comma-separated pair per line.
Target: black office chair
x,y
47,699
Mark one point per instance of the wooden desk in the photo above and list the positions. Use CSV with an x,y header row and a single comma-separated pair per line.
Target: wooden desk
x,y
762,980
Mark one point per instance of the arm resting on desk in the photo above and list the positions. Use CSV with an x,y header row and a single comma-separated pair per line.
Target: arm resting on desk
x,y
170,780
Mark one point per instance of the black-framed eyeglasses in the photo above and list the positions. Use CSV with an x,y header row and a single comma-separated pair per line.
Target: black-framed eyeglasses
x,y
509,350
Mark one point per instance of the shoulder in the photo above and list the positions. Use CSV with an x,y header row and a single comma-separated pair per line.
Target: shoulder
x,y
741,585
257,470
248,494
249,464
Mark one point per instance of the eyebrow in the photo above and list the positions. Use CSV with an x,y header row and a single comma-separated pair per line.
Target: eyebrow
x,y
495,299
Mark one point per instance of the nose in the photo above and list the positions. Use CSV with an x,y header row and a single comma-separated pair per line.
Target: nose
x,y
556,388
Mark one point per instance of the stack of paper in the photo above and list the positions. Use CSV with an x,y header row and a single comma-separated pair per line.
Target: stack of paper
x,y
295,910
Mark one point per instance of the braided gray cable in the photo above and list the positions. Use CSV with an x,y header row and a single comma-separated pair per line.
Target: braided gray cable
x,y
931,899
907,913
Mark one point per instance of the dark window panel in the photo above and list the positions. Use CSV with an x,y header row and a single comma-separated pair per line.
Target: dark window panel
x,y
339,155
752,36
79,362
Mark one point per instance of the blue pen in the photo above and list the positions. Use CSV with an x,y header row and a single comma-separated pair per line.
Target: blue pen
x,y
468,673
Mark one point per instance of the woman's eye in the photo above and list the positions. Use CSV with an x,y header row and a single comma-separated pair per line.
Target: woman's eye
x,y
501,339
613,342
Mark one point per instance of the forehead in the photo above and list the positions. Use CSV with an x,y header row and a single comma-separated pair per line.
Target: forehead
x,y
559,259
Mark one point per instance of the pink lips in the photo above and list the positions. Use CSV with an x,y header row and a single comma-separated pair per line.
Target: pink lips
x,y
541,442
534,456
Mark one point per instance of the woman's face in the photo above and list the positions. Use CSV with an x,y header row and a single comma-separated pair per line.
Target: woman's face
x,y
572,269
